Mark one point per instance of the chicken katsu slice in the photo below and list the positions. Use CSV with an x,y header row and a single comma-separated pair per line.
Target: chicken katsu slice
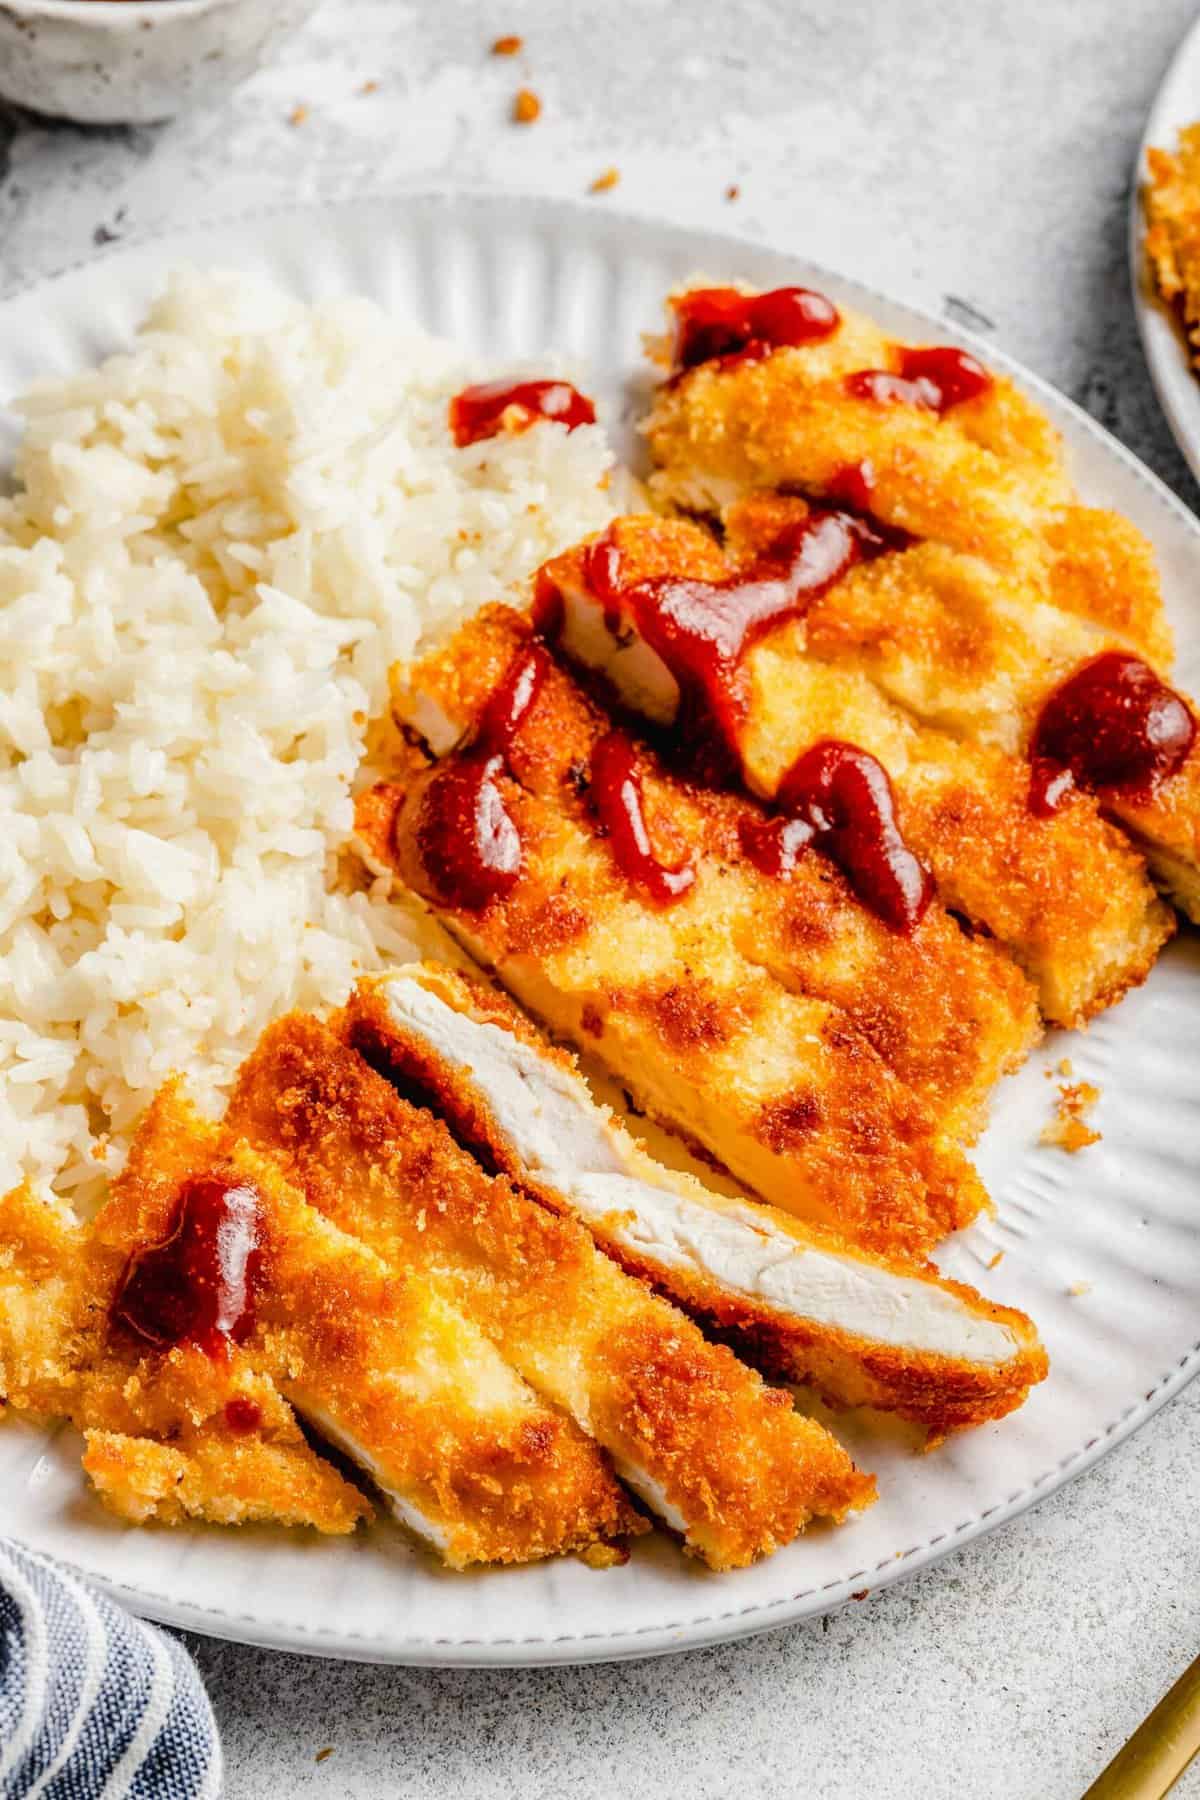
x,y
777,1086
924,439
200,1438
890,1333
1102,568
980,475
371,1356
723,1459
209,1474
950,1015
965,649
43,1303
1066,895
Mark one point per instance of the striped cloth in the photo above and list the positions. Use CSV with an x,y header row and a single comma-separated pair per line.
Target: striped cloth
x,y
94,1705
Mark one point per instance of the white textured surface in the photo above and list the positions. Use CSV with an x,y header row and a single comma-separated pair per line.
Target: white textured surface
x,y
941,151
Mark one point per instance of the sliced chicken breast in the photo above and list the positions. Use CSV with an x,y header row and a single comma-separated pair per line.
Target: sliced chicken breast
x,y
984,476
309,1319
1067,895
719,1456
864,1330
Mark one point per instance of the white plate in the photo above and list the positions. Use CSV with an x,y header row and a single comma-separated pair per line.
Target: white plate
x,y
1176,381
514,277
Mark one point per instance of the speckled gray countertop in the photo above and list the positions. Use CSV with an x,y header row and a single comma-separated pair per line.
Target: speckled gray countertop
x,y
973,158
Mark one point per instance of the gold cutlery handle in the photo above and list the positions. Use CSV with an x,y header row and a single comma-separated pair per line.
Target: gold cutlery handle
x,y
1159,1750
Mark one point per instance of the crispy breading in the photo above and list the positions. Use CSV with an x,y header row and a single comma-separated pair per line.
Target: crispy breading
x,y
159,1441
1172,201
796,1298
949,1014
1067,896
1104,569
380,1363
966,649
211,1475
722,1457
787,420
374,1359
779,1087
986,478
43,1303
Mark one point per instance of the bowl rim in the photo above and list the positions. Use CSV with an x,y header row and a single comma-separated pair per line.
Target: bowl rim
x,y
109,12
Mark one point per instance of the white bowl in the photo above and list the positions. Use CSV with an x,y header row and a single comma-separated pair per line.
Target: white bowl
x,y
108,62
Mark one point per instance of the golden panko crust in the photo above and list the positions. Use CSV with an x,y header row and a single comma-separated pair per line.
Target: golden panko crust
x,y
736,1463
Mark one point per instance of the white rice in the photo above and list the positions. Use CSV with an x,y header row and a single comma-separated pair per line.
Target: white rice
x,y
221,542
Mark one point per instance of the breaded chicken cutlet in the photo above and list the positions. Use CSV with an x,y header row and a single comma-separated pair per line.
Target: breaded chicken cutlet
x,y
721,1458
159,1444
778,1087
964,648
1172,201
925,438
1066,894
864,1330
218,1301
948,1014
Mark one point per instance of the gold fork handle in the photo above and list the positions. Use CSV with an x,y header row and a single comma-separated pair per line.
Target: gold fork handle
x,y
1159,1750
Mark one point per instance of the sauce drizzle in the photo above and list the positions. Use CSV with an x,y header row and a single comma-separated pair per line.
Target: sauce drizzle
x,y
701,630
934,377
479,412
722,325
1111,727
455,839
853,486
616,790
842,797
197,1286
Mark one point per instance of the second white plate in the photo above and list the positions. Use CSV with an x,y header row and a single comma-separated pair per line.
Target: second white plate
x,y
1103,1249
1176,380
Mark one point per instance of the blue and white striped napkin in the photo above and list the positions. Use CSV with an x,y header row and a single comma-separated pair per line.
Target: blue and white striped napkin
x,y
94,1705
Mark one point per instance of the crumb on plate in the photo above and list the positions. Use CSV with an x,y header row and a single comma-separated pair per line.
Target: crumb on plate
x,y
733,191
508,45
1068,1129
1079,1287
298,114
526,106
604,181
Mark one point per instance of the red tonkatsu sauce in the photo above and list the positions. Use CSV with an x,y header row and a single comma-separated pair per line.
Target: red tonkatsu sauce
x,y
935,378
616,791
701,630
853,486
836,798
719,324
843,795
478,412
243,1414
198,1285
1112,727
455,838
